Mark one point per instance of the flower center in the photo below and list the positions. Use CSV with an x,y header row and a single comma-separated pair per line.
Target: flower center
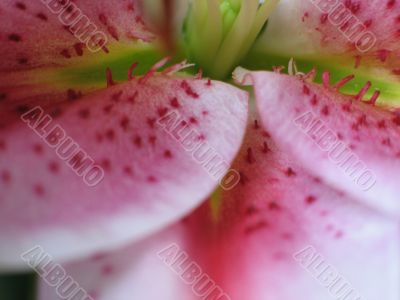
x,y
219,33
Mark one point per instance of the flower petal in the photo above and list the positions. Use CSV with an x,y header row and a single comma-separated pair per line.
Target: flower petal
x,y
68,31
134,132
249,250
63,59
367,31
350,144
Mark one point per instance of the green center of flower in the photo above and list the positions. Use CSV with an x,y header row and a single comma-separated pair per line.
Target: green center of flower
x,y
219,33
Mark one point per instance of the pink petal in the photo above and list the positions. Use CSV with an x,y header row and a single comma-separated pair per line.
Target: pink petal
x,y
367,31
38,33
350,144
150,179
248,251
39,47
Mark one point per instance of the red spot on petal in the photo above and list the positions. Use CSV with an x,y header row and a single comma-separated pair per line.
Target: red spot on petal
x,y
290,172
250,156
14,37
5,176
137,140
124,123
167,154
107,270
84,113
110,134
54,167
188,89
128,170
38,149
175,103
256,227
311,200
151,179
325,110
274,206
39,190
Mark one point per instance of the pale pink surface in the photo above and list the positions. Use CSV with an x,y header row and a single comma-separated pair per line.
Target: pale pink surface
x,y
150,179
275,212
290,108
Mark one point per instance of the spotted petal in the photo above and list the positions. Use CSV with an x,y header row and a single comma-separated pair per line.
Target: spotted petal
x,y
52,33
279,234
364,30
114,166
349,143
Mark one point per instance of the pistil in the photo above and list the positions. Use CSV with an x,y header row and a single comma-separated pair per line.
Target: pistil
x,y
219,33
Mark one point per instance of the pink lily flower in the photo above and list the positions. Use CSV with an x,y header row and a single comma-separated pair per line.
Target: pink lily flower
x,y
112,165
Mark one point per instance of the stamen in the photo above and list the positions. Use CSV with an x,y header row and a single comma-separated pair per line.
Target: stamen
x,y
207,19
310,76
221,32
326,78
130,71
374,98
341,83
177,67
292,67
110,81
278,69
265,10
363,91
293,70
229,52
153,69
199,74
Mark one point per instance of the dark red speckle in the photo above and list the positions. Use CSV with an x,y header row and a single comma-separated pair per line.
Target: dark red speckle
x,y
151,122
151,179
188,89
6,176
323,18
175,103
110,134
73,95
54,167
273,206
290,172
107,270
265,148
137,140
311,200
38,149
14,37
65,53
250,156
128,171
256,227
314,100
306,90
2,145
84,113
382,124
390,4
396,120
20,6
42,16
325,110
167,154
39,190
124,123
